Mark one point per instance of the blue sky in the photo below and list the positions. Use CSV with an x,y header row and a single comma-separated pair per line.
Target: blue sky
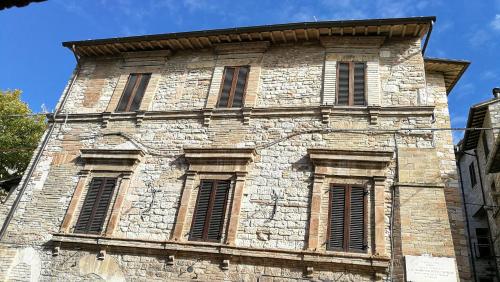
x,y
33,60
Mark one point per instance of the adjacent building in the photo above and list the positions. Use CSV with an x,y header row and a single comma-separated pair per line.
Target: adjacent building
x,y
284,152
478,160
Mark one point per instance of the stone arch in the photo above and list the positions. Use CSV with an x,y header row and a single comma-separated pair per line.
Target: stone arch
x,y
26,266
107,269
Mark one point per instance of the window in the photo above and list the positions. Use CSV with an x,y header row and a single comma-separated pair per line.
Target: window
x,y
233,87
483,242
347,218
351,83
95,205
486,149
472,175
133,92
210,209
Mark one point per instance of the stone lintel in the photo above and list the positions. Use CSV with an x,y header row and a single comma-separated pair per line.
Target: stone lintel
x,y
122,160
345,157
371,42
244,47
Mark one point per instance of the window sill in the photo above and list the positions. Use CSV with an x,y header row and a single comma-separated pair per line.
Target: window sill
x,y
146,246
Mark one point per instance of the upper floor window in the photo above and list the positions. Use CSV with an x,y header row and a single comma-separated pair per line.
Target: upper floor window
x,y
472,175
95,206
347,218
486,149
351,83
210,209
233,86
133,92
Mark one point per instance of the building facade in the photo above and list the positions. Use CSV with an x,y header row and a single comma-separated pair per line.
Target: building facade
x,y
287,152
478,160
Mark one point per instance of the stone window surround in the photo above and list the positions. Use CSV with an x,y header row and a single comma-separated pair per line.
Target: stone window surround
x,y
214,163
368,165
104,162
236,54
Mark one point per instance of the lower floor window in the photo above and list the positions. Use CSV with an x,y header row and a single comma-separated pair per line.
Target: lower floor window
x,y
95,206
210,209
347,218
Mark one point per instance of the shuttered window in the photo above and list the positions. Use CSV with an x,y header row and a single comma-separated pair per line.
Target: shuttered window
x,y
486,149
472,175
133,92
351,83
208,217
96,204
347,218
233,87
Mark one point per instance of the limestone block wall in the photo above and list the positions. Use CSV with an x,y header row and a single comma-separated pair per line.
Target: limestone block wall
x,y
276,198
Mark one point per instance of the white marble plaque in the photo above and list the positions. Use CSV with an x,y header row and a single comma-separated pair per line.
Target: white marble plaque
x,y
430,269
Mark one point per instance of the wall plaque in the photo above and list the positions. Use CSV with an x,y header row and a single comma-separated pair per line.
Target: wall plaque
x,y
429,269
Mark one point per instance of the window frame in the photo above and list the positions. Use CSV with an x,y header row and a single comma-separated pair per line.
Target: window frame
x,y
134,92
486,147
95,205
210,209
472,175
232,90
351,84
479,245
347,218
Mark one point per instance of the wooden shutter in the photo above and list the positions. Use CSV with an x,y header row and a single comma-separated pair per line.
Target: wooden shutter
x,y
133,92
343,84
347,218
351,83
357,219
359,84
337,218
95,206
233,87
208,218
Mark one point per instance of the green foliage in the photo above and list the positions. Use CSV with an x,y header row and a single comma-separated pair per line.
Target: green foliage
x,y
19,134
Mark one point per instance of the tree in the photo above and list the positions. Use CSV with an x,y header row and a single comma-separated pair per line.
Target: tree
x,y
20,132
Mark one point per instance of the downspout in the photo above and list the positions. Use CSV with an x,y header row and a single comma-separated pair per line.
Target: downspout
x,y
40,151
428,37
467,219
484,203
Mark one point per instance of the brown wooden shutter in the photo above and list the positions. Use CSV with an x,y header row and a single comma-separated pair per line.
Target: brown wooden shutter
x,y
357,219
201,210
359,84
343,84
337,218
133,92
208,218
214,232
95,205
347,218
233,87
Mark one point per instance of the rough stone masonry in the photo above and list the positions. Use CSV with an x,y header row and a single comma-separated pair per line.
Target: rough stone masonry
x,y
282,151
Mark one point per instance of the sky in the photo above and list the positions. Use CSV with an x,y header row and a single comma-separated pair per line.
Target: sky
x,y
33,60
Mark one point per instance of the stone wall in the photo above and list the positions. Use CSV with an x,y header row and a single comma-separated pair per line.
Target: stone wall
x,y
276,200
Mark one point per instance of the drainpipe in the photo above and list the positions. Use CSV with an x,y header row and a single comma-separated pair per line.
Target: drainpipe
x,y
487,216
41,149
467,220
427,37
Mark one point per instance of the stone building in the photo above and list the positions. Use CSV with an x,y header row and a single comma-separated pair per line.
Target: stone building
x,y
478,161
284,152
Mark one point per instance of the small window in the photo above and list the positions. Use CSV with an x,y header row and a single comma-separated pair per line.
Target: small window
x,y
347,219
134,91
351,83
210,209
233,87
95,206
472,174
483,242
486,149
